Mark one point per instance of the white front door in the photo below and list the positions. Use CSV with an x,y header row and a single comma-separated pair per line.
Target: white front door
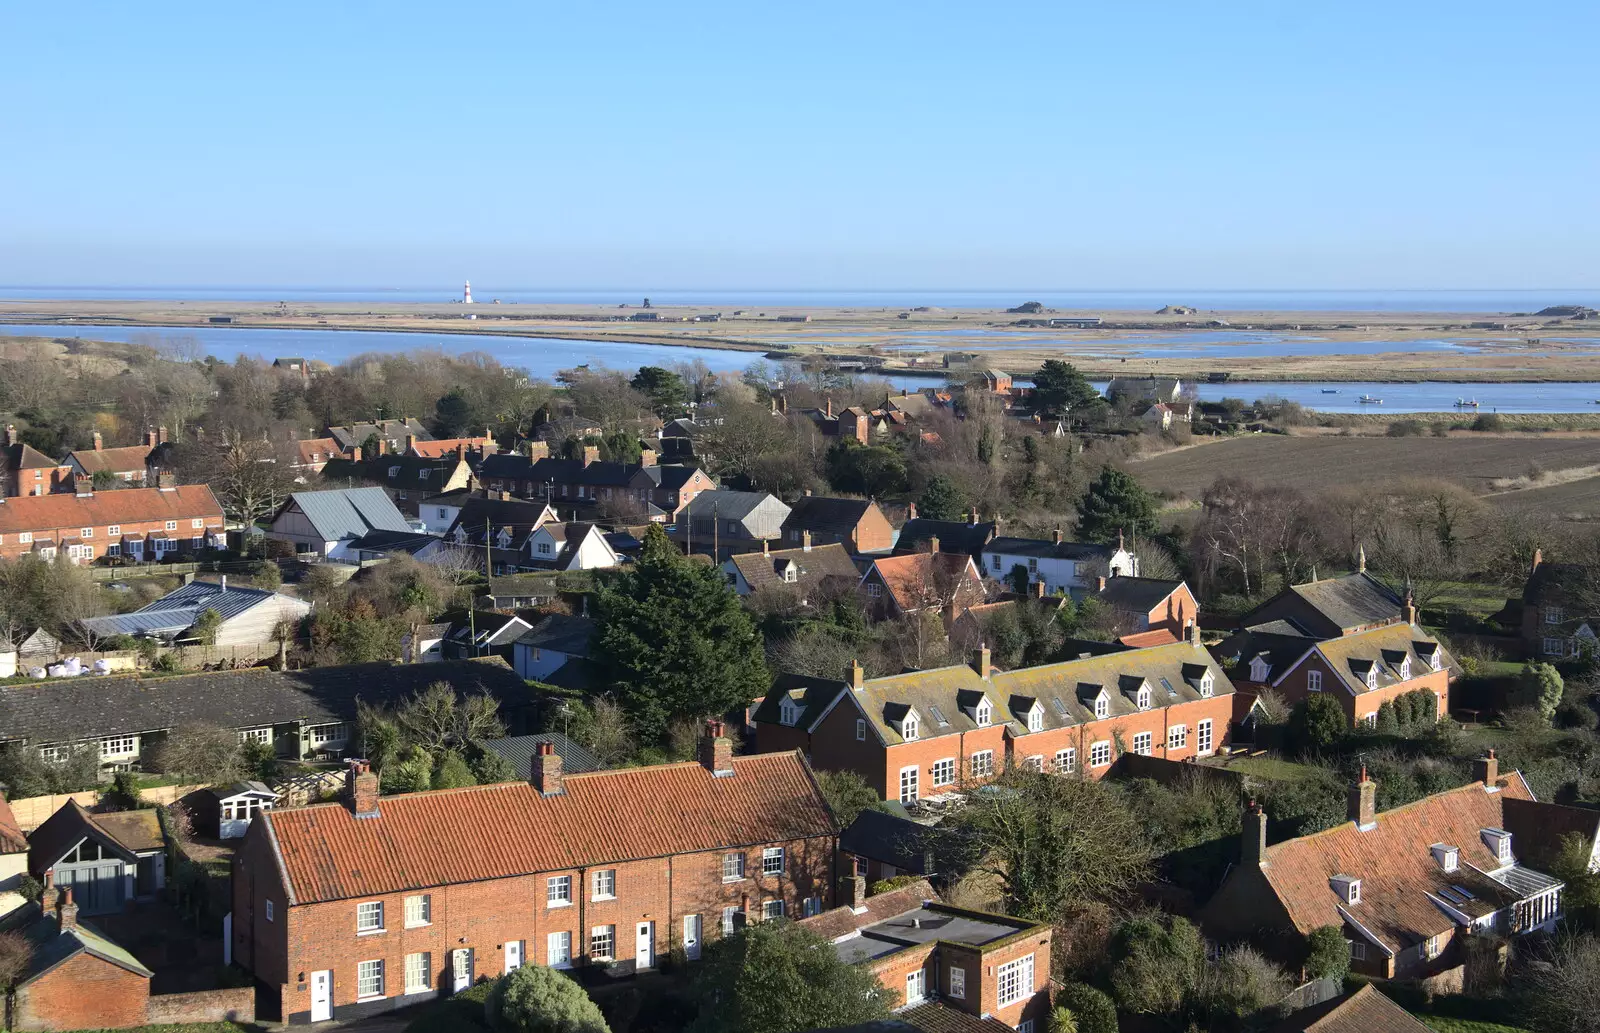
x,y
644,954
691,937
461,968
321,996
513,955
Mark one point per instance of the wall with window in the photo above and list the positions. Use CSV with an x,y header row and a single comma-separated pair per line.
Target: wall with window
x,y
1158,723
1296,686
484,916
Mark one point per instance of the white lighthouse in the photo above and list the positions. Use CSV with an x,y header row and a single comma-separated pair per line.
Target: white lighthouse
x,y
466,294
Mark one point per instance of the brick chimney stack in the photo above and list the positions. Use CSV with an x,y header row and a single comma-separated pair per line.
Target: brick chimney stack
x,y
1057,537
853,892
1538,557
972,517
911,510
361,789
1100,583
980,661
546,773
1363,802
411,443
933,544
591,454
99,443
83,486
161,435
1486,769
355,454
1194,634
11,434
1038,589
1253,840
150,439
166,480
1410,610
805,541
647,457
716,749
67,911
857,674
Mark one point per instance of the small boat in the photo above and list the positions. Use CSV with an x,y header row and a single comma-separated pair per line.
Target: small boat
x,y
1369,400
1330,390
1466,403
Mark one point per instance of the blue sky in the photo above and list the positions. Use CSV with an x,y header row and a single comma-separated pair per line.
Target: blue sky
x,y
816,145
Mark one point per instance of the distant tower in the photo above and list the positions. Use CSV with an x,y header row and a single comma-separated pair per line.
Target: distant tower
x,y
466,294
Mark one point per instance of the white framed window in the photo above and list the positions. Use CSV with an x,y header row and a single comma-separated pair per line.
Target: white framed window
x,y
908,784
25,538
1142,741
113,549
558,950
730,921
197,523
1144,699
328,735
994,562
772,860
1259,669
171,525
908,727
983,713
861,730
268,909
732,867
558,891
419,910
419,972
788,712
1434,662
916,985
1099,754
1555,646
1313,681
1202,737
605,884
85,532
1208,685
1025,1026
1430,947
983,764
119,746
1036,720
1015,981
957,982
1405,668
874,590
771,909
1066,761
260,736
55,754
1034,763
944,771
114,530
1102,707
1372,677
1177,737
1554,614
1358,950
369,916
369,979
603,942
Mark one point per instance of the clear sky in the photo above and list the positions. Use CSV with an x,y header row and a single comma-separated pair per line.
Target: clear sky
x,y
1063,144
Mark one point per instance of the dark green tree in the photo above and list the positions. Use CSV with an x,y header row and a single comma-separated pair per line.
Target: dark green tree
x,y
1156,963
865,469
1316,723
1538,687
621,447
1094,1011
451,772
848,795
942,500
1115,504
777,977
1059,390
675,640
370,445
667,393
205,627
1327,953
452,414
539,999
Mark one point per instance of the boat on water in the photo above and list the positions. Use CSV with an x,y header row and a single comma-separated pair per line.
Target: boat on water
x,y
1369,400
1330,390
1466,403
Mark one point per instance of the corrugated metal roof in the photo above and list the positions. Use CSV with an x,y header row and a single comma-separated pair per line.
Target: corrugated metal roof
x,y
179,609
454,836
342,513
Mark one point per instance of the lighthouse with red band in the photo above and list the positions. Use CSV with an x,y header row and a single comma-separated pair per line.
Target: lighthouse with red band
x,y
466,294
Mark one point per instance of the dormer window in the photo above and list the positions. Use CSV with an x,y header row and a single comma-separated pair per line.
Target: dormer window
x,y
1102,706
394,471
1347,887
1499,843
1036,719
1259,669
1447,857
1143,699
1207,685
908,726
1405,668
788,712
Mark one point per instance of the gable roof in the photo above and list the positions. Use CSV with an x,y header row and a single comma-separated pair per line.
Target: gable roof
x,y
23,456
129,832
1382,650
1342,604
398,471
352,435
844,920
1396,867
316,450
123,506
1367,1010
729,505
882,836
561,634
1554,582
12,841
812,566
1277,643
521,749
111,460
815,513
49,946
520,515
1137,594
452,836
72,709
180,608
340,513
1047,548
436,449
953,535
1538,829
907,576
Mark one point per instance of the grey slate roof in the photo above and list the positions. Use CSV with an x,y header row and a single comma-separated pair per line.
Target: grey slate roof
x,y
72,709
409,542
729,505
1276,642
881,836
400,472
953,535
1351,601
815,513
1139,594
560,633
390,430
178,609
1045,548
341,513
521,749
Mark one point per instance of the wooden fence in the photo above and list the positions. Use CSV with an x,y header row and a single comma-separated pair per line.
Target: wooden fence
x,y
31,811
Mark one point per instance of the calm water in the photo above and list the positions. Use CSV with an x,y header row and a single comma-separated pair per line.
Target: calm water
x,y
1190,344
543,357
1484,301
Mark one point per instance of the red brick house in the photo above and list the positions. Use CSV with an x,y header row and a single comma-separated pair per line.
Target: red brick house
x,y
895,586
858,524
133,523
943,967
374,903
1557,610
1404,885
926,733
76,977
130,464
24,470
1152,610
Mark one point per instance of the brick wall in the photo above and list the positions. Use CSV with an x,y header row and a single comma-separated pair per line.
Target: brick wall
x,y
893,970
1295,687
233,1004
483,916
874,533
1157,722
82,993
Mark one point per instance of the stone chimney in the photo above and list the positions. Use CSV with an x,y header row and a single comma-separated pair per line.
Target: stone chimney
x,y
1057,537
361,789
161,435
1538,560
933,543
166,480
67,911
980,661
1253,840
1038,589
1486,769
355,454
1362,802
857,674
83,486
411,442
1100,583
1194,634
805,540
546,773
1361,559
1410,609
98,442
716,750
591,454
853,892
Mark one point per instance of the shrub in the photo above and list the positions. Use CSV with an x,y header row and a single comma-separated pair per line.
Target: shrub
x,y
1405,429
1539,687
1388,722
1093,1010
1316,723
452,772
537,999
1488,421
1327,953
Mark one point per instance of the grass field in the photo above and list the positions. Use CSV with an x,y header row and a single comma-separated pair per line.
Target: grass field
x,y
1269,768
1445,1024
1315,462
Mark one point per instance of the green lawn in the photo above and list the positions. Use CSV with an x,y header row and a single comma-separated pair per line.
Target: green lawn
x,y
1271,768
1443,1024
191,1027
1470,597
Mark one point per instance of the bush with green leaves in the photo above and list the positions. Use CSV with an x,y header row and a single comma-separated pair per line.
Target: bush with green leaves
x,y
452,772
1156,963
1539,687
1388,721
1327,953
848,794
1316,723
1091,1008
778,977
539,999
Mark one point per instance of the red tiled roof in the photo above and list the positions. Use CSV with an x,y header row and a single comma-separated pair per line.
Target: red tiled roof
x,y
455,836
436,449
1365,1011
1393,861
12,841
25,457
130,459
316,450
125,506
1157,637
842,921
913,577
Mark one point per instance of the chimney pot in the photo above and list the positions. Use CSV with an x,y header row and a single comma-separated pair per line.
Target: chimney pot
x,y
546,771
716,749
1486,769
361,788
411,442
1100,583
161,435
805,540
933,543
1194,633
67,911
1538,558
1253,841
99,443
1057,536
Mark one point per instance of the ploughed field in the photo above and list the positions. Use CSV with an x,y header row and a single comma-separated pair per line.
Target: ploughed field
x,y
1486,464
